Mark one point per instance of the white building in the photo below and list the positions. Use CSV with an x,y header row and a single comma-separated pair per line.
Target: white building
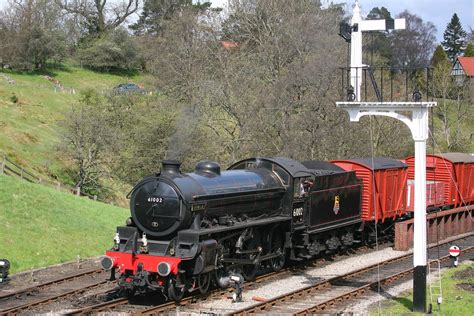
x,y
463,68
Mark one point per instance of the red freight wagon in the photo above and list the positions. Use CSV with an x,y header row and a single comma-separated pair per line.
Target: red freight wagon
x,y
434,194
387,178
455,170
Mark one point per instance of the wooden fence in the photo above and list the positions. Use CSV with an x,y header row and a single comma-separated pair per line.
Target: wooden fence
x,y
10,168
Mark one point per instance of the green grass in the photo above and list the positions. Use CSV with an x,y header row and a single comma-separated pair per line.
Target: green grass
x,y
30,128
40,226
456,301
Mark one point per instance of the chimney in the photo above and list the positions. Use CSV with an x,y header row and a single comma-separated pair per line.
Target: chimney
x,y
170,167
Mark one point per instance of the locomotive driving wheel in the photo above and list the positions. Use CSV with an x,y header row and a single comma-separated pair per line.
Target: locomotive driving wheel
x,y
249,271
204,280
278,262
254,246
176,287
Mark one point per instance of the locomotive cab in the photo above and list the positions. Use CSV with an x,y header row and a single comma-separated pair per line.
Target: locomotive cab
x,y
301,190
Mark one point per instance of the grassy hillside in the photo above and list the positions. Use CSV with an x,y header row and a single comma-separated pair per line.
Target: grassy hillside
x,y
40,226
29,127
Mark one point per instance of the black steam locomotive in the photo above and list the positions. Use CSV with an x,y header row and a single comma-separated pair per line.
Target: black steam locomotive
x,y
190,229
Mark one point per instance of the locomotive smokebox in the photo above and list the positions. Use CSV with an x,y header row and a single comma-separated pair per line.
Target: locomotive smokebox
x,y
170,167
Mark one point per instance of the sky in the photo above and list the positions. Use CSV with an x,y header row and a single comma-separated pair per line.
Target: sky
x,y
439,12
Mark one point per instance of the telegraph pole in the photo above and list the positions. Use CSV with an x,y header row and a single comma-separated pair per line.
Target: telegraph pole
x,y
418,125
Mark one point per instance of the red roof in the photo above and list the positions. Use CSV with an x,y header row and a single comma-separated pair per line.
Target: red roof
x,y
467,64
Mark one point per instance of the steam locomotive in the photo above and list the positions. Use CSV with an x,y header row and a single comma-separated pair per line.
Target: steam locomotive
x,y
188,230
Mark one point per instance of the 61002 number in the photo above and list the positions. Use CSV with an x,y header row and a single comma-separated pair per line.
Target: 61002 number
x,y
155,200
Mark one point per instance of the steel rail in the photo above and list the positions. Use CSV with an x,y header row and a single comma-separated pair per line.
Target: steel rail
x,y
98,307
266,306
170,305
362,289
104,306
167,307
4,294
19,308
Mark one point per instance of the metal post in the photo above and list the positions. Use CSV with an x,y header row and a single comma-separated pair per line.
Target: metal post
x,y
418,125
356,51
420,134
391,86
381,84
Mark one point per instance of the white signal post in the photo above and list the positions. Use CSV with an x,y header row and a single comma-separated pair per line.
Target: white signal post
x,y
358,26
418,124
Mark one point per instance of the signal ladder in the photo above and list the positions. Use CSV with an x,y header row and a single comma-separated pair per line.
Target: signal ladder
x,y
434,279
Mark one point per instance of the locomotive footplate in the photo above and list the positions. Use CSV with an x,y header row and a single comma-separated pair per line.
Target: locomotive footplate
x,y
237,225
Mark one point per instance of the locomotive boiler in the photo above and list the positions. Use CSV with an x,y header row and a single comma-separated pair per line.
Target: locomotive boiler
x,y
188,230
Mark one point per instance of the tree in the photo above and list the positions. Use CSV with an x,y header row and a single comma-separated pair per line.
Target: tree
x,y
376,43
454,36
31,34
414,46
140,138
86,139
453,111
277,88
100,16
439,56
454,106
155,12
181,71
114,50
99,127
470,36
469,51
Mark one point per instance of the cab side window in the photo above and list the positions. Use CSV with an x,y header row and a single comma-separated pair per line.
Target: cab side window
x,y
302,186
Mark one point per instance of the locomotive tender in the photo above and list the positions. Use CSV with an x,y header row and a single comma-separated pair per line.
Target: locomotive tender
x,y
189,229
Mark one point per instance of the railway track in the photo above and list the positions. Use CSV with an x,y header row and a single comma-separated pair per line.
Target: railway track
x,y
217,293
324,295
13,302
187,304
118,303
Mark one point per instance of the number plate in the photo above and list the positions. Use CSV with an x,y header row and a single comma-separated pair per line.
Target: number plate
x,y
154,199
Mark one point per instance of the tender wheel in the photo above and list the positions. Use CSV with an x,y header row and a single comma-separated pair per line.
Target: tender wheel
x,y
204,280
176,288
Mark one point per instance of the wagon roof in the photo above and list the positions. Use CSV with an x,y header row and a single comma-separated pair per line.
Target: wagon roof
x,y
458,157
380,163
